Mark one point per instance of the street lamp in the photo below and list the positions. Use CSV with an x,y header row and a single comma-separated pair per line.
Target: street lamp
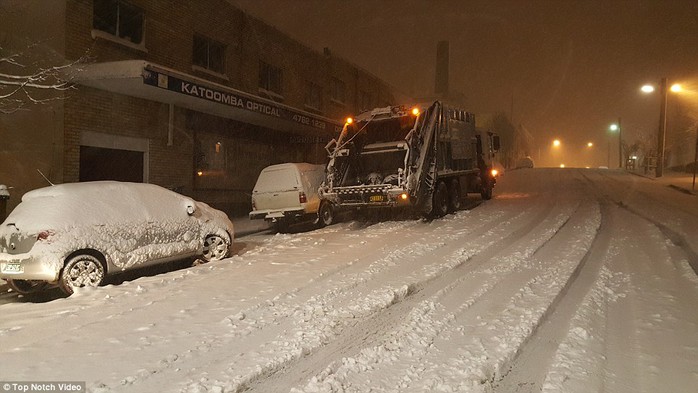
x,y
661,136
614,128
556,143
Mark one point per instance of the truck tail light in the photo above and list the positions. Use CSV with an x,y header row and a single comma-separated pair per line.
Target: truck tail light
x,y
302,198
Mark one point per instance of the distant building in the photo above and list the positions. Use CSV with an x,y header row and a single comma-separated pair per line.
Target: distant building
x,y
196,96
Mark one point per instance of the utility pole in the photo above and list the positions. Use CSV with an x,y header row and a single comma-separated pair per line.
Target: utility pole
x,y
661,137
695,162
620,145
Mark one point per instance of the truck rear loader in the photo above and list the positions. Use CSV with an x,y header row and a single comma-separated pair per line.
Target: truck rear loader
x,y
423,158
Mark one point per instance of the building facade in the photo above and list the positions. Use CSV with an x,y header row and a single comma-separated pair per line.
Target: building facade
x,y
196,96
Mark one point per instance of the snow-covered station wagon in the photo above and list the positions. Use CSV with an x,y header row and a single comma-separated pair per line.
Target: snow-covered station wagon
x,y
73,235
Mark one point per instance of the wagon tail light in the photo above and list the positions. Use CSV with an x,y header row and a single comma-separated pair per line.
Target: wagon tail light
x,y
302,198
254,205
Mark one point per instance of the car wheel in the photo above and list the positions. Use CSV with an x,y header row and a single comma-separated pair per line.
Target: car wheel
x,y
80,271
440,200
215,248
454,202
26,287
325,215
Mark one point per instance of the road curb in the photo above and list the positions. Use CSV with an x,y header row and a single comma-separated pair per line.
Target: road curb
x,y
681,189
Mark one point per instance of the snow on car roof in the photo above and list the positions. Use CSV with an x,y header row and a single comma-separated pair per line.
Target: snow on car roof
x,y
94,203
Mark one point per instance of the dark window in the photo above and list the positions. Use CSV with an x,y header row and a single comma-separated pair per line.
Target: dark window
x,y
366,101
209,54
313,99
119,18
269,77
338,90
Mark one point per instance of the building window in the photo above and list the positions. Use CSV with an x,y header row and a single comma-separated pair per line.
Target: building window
x,y
270,78
209,54
366,101
119,18
338,90
313,98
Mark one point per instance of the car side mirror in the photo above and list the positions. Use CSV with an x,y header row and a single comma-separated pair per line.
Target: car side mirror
x,y
190,209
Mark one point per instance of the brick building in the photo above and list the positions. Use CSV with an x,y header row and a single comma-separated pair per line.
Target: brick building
x,y
196,96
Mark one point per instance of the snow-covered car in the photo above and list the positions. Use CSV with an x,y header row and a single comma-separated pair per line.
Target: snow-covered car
x,y
525,162
288,193
73,235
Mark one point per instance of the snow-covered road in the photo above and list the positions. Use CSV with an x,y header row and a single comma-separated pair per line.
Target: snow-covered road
x,y
567,281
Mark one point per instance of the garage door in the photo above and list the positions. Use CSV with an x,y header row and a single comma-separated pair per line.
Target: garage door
x,y
98,163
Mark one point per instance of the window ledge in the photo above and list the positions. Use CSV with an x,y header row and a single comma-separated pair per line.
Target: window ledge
x,y
209,72
337,102
270,94
110,37
313,109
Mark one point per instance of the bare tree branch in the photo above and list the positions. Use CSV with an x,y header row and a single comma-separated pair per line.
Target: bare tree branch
x,y
17,89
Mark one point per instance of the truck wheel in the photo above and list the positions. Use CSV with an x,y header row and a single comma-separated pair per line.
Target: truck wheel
x,y
325,215
440,200
486,192
281,226
454,196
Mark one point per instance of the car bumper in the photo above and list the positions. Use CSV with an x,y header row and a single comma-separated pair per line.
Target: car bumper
x,y
26,267
274,215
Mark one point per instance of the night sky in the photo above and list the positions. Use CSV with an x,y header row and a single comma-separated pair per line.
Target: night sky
x,y
572,67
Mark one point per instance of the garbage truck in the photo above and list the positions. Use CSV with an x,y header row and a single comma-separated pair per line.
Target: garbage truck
x,y
423,158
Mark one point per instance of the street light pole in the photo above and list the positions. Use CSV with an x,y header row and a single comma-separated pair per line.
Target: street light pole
x,y
695,162
620,146
661,137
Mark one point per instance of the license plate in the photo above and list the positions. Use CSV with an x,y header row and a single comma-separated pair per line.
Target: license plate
x,y
377,198
12,267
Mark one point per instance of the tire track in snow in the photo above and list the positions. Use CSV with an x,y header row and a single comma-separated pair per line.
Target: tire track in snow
x,y
302,345
415,304
430,321
528,369
592,293
630,334
279,316
674,236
